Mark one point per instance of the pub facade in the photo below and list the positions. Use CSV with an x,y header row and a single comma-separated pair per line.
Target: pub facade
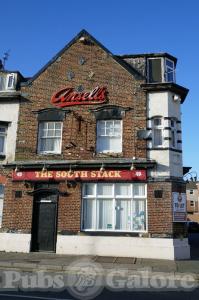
x,y
98,158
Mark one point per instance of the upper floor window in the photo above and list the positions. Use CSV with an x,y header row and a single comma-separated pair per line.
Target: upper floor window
x,y
160,69
173,133
50,137
191,192
3,134
7,81
157,132
169,70
109,136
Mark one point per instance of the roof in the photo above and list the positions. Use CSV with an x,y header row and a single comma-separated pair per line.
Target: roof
x,y
109,163
164,86
8,72
191,185
84,33
160,54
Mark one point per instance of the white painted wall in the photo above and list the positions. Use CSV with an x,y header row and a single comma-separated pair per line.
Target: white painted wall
x,y
15,242
155,248
169,163
9,112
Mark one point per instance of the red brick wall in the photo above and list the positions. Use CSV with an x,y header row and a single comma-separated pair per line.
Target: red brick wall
x,y
160,209
123,89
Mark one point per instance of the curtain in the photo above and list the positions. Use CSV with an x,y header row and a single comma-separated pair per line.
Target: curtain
x,y
139,215
89,214
104,214
123,215
2,140
105,189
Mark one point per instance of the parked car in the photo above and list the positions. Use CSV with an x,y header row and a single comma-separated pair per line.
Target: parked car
x,y
192,227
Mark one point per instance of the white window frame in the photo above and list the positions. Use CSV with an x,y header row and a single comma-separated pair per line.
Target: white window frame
x,y
11,75
171,70
114,197
159,127
5,138
191,192
164,73
98,136
39,139
192,203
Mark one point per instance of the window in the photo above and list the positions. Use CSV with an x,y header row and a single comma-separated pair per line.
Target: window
x,y
1,202
173,133
169,70
114,207
7,81
3,134
109,136
50,135
155,70
191,192
160,69
157,132
192,203
10,81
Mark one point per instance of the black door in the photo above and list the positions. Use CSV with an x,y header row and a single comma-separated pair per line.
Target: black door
x,y
44,229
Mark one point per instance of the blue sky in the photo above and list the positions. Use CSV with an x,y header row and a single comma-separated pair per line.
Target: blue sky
x,y
35,30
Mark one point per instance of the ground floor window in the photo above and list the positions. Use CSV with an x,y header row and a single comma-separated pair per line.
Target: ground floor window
x,y
114,207
1,202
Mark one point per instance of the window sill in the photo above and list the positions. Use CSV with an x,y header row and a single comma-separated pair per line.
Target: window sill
x,y
109,154
48,153
113,233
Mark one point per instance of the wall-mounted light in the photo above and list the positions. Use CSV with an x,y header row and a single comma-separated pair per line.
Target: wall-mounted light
x,y
16,169
44,169
102,169
70,172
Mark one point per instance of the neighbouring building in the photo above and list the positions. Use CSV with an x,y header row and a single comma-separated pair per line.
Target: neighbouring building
x,y
9,109
98,161
192,201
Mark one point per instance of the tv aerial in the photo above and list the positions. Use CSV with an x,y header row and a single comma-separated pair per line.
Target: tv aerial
x,y
5,58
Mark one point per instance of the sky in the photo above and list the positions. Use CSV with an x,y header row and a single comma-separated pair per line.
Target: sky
x,y
35,30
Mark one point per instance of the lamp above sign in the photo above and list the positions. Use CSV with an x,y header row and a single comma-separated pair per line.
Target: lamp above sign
x,y
69,97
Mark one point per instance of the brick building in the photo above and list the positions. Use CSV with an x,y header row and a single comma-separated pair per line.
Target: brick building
x,y
98,161
192,189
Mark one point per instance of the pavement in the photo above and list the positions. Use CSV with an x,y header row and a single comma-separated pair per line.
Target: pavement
x,y
52,262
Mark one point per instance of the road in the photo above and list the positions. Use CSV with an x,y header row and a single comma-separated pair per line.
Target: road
x,y
105,293
194,295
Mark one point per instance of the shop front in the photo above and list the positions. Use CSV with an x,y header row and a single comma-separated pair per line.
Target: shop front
x,y
111,201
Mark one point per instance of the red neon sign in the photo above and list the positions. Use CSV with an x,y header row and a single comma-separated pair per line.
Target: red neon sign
x,y
69,97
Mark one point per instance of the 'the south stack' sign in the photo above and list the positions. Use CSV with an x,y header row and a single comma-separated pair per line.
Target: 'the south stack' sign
x,y
69,97
116,175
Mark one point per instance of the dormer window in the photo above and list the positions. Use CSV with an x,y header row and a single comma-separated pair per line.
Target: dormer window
x,y
160,69
10,81
7,81
169,70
